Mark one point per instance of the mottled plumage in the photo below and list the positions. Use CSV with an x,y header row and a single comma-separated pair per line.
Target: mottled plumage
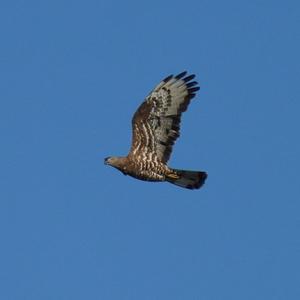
x,y
155,127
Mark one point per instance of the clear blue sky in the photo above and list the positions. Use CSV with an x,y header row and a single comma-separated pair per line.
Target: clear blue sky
x,y
72,74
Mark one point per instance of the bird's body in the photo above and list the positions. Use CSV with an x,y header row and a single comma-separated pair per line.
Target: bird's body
x,y
156,126
141,168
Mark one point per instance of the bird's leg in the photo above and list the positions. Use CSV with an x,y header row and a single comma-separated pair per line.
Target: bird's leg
x,y
172,176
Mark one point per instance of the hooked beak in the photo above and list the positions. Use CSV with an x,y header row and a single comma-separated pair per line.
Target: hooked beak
x,y
106,160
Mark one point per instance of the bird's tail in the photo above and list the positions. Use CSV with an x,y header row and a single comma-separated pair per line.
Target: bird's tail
x,y
187,179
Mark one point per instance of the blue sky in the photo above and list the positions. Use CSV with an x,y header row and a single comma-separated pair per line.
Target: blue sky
x,y
72,74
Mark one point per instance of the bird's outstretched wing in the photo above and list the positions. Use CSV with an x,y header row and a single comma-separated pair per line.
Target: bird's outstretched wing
x,y
156,123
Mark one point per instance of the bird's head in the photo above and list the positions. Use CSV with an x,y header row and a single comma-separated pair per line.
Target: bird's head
x,y
107,160
117,162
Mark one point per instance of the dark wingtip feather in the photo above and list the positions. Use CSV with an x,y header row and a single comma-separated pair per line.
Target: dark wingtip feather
x,y
189,78
168,78
182,74
191,84
194,89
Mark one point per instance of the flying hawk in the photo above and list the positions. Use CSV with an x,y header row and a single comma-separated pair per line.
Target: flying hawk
x,y
156,126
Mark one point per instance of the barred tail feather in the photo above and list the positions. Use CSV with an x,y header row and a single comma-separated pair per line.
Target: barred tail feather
x,y
188,179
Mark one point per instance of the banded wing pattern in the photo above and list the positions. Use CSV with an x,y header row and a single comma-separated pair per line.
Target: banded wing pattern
x,y
156,123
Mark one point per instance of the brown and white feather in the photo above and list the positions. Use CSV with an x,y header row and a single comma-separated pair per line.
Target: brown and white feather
x,y
156,123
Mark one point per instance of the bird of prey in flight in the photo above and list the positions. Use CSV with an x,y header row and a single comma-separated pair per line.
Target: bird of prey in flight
x,y
155,128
